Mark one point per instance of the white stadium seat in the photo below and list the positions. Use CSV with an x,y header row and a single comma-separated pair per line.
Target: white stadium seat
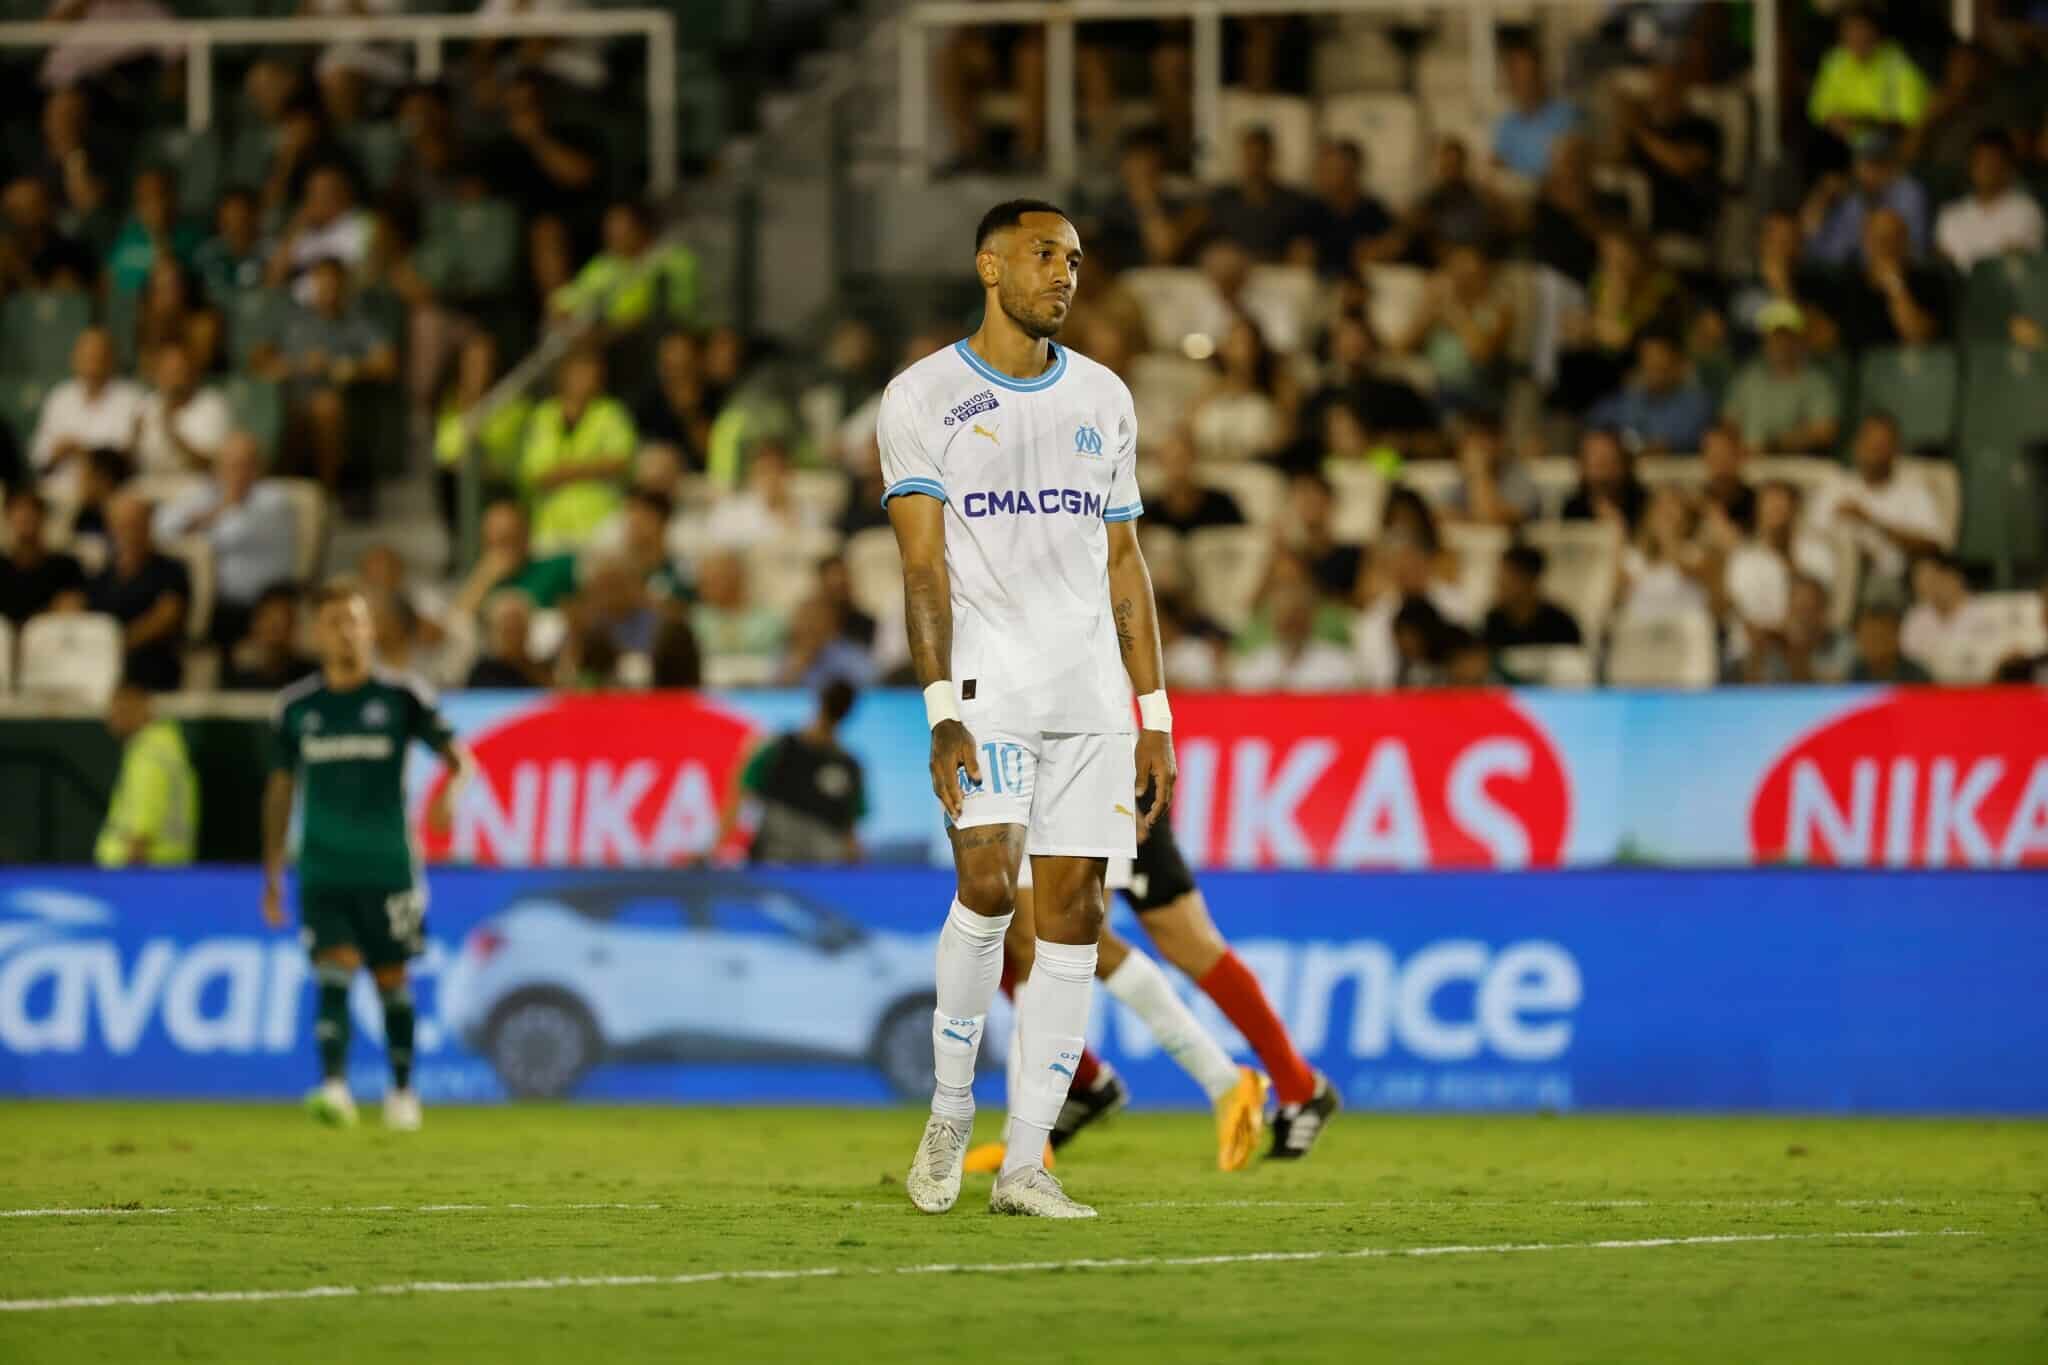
x,y
1433,479
1549,665
738,670
1177,303
1393,299
1258,488
1361,494
1388,129
1285,302
822,492
1663,651
1288,118
784,571
1165,557
545,631
1555,477
74,656
1582,566
1686,473
1479,549
874,569
1164,387
1227,564
309,526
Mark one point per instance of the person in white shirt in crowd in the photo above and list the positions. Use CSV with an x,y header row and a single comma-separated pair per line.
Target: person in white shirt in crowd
x,y
1237,417
327,227
184,423
1757,577
1947,632
92,410
1997,215
1891,516
1294,660
248,522
1400,571
1665,568
764,509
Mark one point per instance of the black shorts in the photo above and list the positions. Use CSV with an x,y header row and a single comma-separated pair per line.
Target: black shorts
x,y
1159,874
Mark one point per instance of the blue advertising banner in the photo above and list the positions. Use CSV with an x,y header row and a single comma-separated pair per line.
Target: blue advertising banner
x,y
1637,989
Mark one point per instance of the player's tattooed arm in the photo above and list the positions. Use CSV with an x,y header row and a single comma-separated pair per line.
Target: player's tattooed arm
x,y
277,821
920,528
1137,636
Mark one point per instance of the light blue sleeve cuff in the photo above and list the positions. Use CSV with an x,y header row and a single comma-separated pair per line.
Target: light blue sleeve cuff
x,y
1128,512
929,487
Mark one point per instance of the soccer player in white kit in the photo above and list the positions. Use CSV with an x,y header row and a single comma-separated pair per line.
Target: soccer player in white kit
x,y
1012,486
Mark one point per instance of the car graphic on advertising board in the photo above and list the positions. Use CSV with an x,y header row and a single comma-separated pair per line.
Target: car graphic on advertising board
x,y
689,968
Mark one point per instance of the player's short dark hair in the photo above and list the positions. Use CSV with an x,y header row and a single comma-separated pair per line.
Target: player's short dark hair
x,y
1010,213
339,588
1527,558
836,699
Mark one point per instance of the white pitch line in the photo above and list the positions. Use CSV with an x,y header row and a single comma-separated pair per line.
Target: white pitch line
x,y
116,1212
166,1298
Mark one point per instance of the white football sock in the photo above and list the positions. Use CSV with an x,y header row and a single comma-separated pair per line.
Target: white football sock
x,y
1013,1064
1053,1016
1140,984
970,966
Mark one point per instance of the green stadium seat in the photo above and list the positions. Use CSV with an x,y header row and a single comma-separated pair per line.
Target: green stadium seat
x,y
254,316
258,406
471,249
1999,290
379,149
39,331
2003,414
1916,384
21,403
197,160
119,315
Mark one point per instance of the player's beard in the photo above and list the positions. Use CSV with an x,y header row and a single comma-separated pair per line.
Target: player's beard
x,y
1041,322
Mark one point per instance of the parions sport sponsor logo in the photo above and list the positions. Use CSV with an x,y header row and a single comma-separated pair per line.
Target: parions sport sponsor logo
x,y
985,401
343,748
1913,779
1004,502
1466,780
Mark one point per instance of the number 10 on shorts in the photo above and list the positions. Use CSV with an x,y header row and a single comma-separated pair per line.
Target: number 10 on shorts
x,y
1002,769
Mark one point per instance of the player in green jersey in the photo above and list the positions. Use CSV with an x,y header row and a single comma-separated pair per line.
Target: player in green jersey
x,y
343,734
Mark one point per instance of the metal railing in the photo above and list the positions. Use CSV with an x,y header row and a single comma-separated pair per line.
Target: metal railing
x,y
1059,17
426,34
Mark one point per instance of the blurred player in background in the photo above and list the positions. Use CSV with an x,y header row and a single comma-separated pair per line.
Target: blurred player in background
x,y
343,733
1159,886
1011,467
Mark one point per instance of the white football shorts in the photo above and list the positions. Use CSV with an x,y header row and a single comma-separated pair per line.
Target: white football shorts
x,y
1073,793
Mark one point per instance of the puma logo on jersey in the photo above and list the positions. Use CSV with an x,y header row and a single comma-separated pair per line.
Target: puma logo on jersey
x,y
980,430
1124,810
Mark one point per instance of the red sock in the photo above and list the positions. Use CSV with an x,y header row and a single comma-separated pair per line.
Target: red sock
x,y
1088,1068
1236,991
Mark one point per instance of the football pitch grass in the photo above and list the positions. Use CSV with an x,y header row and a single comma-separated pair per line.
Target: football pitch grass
x,y
133,1232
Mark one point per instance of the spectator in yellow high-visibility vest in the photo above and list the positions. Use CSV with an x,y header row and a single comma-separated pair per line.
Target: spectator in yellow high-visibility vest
x,y
153,819
646,277
579,445
1866,80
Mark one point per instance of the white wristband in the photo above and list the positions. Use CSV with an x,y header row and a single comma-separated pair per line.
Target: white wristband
x,y
938,703
1154,713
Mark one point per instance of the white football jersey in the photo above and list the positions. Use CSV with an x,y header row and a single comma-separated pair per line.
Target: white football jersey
x,y
1029,470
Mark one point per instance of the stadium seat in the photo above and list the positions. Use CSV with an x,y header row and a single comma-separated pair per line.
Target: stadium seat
x,y
1582,568
72,656
21,403
254,317
739,670
1548,665
1258,488
1663,651
1388,129
379,150
1479,549
1288,118
1164,386
1687,473
1435,480
1393,299
1556,478
196,554
158,489
1998,289
821,492
1227,564
1807,473
1916,384
1165,557
39,329
258,408
1356,56
1361,494
1945,482
1177,303
196,160
2022,623
545,631
118,316
875,568
309,526
471,249
2003,413
784,571
1284,300
6,656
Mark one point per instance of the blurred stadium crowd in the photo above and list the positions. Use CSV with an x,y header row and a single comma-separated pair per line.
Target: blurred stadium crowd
x,y
1584,393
